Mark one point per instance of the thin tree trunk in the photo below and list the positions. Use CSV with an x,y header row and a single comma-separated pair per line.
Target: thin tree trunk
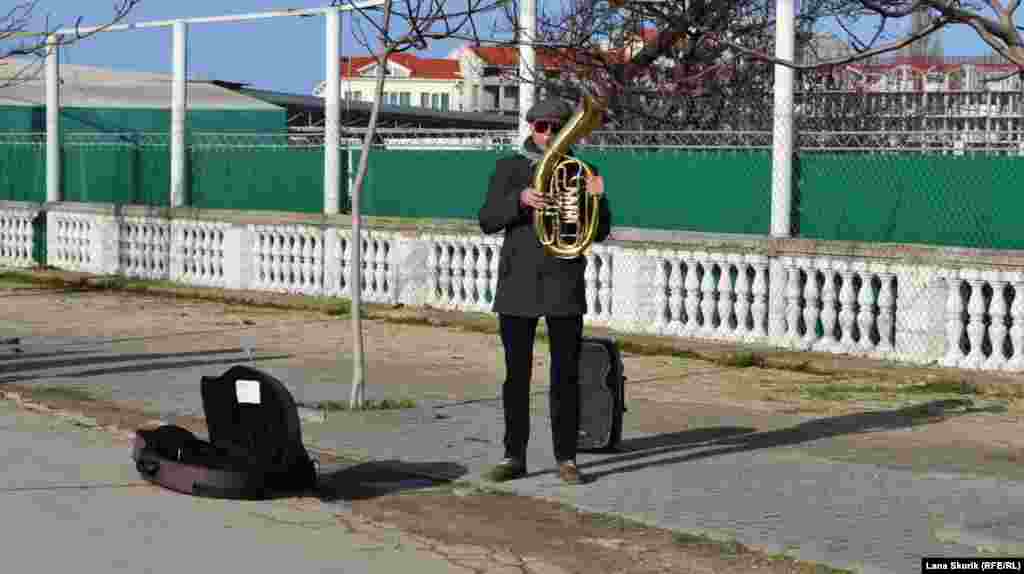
x,y
358,395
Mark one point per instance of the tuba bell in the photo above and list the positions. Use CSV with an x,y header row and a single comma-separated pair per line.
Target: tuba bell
x,y
568,222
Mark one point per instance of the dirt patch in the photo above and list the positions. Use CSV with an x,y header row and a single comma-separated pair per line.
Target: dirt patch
x,y
574,541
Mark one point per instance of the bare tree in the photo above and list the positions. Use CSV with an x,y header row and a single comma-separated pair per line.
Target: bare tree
x,y
399,26
709,64
26,33
652,64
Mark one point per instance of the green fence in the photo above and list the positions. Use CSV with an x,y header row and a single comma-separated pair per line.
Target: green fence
x,y
220,177
120,174
23,176
968,201
695,191
134,120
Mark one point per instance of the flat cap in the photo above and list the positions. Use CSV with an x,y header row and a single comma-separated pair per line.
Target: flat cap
x,y
549,109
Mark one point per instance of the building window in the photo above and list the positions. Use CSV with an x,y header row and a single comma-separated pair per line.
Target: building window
x,y
394,98
444,102
424,100
404,98
435,101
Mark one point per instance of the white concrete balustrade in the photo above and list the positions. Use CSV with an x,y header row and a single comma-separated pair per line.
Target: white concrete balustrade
x,y
145,247
197,253
82,242
287,258
16,237
984,316
840,305
710,295
379,265
748,292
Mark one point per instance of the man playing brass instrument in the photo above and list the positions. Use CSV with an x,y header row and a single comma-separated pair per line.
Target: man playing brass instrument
x,y
532,283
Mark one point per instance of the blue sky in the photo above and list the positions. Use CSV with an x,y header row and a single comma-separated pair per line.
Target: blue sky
x,y
284,54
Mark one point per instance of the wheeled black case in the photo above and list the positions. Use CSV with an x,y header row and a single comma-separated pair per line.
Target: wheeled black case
x,y
602,395
255,448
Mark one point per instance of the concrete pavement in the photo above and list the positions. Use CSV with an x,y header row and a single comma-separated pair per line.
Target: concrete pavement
x,y
73,502
779,488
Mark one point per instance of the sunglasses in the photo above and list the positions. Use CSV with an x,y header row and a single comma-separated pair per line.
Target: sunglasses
x,y
545,126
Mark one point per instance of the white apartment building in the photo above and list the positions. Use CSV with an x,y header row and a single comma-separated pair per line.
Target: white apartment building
x,y
434,83
470,79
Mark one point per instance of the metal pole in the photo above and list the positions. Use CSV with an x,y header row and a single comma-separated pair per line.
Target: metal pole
x,y
782,161
53,119
527,63
294,12
179,99
332,120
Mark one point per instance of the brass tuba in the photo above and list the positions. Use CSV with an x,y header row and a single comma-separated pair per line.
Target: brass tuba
x,y
567,224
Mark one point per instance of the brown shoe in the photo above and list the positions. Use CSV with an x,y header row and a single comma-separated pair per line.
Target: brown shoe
x,y
569,474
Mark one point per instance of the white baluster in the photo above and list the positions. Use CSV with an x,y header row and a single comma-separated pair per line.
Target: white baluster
x,y
792,302
976,320
494,261
480,265
290,263
590,284
208,249
346,267
369,276
468,279
604,278
866,307
829,312
847,313
268,258
675,288
954,321
307,262
725,294
759,306
318,261
692,286
457,273
707,295
277,263
383,246
811,309
886,311
1016,362
432,271
446,273
997,327
660,286
743,320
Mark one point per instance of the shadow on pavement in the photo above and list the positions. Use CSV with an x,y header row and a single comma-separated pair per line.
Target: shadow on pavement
x,y
109,358
380,478
738,439
143,368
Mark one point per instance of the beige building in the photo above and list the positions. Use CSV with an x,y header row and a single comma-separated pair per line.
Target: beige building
x,y
434,83
470,79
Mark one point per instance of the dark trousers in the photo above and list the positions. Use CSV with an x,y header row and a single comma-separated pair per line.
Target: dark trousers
x,y
517,336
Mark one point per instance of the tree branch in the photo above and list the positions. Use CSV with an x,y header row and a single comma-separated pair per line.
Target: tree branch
x,y
932,28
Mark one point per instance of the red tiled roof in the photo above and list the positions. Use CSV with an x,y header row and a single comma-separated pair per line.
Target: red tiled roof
x,y
509,56
420,68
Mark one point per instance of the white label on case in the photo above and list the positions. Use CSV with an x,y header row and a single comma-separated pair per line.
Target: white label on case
x,y
248,392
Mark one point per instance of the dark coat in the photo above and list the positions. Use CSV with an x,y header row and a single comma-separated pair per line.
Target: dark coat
x,y
531,283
